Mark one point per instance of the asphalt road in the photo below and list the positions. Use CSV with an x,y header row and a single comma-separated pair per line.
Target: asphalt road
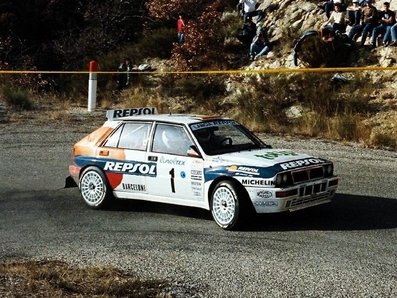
x,y
344,249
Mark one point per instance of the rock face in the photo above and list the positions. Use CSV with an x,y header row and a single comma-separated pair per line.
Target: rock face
x,y
287,20
292,18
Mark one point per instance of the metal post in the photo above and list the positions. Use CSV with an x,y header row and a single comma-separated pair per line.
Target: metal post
x,y
92,86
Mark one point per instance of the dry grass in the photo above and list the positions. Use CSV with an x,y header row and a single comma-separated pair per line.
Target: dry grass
x,y
57,279
338,111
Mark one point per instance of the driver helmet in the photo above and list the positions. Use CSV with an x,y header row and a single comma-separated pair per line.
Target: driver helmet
x,y
203,135
168,136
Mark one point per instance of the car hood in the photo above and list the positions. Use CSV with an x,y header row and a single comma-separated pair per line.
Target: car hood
x,y
264,162
261,158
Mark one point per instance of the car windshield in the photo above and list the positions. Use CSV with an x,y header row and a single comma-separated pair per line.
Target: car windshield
x,y
224,136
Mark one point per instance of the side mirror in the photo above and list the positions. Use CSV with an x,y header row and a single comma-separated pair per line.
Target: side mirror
x,y
193,152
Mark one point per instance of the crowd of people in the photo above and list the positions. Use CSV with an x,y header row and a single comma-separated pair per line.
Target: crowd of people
x,y
357,19
354,18
360,19
253,34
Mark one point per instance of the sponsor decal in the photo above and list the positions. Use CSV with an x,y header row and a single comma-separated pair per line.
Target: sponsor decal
x,y
114,114
274,154
257,182
196,175
264,194
197,188
301,163
201,125
242,170
172,161
183,175
266,203
134,187
131,168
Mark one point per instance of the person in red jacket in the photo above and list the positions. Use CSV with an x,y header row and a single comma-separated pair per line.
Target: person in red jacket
x,y
180,27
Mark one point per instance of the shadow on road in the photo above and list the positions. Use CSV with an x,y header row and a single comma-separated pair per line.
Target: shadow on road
x,y
346,212
160,208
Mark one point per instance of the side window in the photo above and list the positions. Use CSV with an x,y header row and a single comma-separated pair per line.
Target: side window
x,y
130,136
135,136
171,139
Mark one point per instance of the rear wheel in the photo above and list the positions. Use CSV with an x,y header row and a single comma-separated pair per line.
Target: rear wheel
x,y
94,188
226,202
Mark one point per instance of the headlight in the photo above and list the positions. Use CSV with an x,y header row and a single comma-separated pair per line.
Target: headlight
x,y
279,179
282,179
285,178
329,170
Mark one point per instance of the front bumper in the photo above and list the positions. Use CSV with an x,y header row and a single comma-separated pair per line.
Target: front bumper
x,y
272,200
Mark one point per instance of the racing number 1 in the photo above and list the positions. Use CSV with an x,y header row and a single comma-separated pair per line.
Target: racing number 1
x,y
172,174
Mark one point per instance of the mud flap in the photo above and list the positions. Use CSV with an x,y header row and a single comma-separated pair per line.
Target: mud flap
x,y
69,182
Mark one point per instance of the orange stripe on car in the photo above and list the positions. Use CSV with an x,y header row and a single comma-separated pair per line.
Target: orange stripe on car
x,y
88,145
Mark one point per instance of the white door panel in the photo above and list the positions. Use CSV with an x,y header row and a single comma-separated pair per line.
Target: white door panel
x,y
178,177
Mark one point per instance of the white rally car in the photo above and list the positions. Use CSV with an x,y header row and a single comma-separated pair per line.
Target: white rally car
x,y
208,162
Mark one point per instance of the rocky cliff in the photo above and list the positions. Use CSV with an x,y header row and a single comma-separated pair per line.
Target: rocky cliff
x,y
294,17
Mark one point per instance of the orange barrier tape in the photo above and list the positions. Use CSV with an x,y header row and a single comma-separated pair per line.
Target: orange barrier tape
x,y
237,71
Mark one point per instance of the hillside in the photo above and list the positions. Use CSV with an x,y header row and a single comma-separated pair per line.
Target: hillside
x,y
363,108
296,17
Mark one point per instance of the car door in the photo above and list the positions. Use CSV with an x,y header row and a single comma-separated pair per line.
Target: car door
x,y
126,167
179,176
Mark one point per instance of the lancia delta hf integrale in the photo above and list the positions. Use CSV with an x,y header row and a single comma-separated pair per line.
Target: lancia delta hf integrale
x,y
207,162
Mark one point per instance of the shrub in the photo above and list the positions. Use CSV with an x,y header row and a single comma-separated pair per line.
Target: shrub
x,y
17,98
330,108
383,140
311,124
156,43
346,127
200,88
231,23
262,102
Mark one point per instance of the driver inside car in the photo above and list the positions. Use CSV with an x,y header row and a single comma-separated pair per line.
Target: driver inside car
x,y
207,139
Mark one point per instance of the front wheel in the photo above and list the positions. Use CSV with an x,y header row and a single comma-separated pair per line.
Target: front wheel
x,y
94,188
226,202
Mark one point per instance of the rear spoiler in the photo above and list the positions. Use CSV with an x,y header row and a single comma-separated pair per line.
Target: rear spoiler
x,y
120,113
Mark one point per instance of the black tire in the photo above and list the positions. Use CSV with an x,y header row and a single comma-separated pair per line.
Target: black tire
x,y
94,188
228,203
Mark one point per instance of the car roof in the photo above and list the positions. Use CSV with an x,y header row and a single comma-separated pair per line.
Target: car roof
x,y
171,118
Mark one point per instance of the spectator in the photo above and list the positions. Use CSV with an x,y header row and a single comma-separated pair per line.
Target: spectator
x,y
368,22
180,27
259,47
337,20
249,10
328,6
354,13
248,32
386,20
123,78
393,32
